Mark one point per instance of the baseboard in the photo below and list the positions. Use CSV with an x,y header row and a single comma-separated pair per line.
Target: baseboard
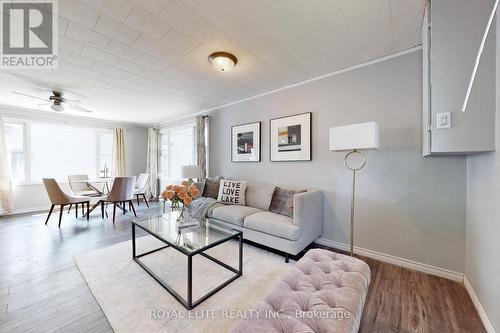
x,y
480,310
27,210
40,209
429,269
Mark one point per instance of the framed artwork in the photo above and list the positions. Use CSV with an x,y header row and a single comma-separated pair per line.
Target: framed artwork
x,y
290,138
245,142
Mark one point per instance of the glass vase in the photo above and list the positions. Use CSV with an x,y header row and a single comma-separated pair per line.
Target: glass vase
x,y
182,214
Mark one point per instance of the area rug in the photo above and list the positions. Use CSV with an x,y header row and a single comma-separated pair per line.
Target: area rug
x,y
134,302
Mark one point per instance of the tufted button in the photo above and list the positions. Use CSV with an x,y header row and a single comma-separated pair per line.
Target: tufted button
x,y
325,269
304,307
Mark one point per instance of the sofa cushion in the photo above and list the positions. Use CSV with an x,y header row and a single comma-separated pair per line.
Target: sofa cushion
x,y
232,192
259,195
200,186
234,214
210,210
273,224
211,188
282,201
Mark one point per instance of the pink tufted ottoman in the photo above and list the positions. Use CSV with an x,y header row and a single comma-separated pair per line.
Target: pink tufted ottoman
x,y
324,292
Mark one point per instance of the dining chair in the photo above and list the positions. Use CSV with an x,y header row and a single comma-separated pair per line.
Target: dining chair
x,y
141,187
58,197
122,192
79,187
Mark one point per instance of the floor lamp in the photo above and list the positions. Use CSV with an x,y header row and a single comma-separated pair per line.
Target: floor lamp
x,y
354,138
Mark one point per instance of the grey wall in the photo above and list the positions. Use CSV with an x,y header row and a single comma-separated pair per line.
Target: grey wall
x,y
453,52
482,266
407,206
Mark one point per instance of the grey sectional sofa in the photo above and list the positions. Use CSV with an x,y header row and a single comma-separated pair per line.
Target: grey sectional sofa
x,y
259,225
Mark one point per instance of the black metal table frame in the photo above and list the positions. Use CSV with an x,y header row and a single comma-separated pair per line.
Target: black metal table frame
x,y
189,304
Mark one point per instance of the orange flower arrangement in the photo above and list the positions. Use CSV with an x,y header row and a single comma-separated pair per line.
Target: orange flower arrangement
x,y
184,193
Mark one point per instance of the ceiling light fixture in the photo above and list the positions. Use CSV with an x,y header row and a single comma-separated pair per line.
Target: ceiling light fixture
x,y
57,107
223,61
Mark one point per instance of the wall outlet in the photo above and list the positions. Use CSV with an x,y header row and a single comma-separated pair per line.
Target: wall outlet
x,y
443,120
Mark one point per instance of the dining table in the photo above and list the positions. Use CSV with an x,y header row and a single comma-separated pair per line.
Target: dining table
x,y
104,190
94,183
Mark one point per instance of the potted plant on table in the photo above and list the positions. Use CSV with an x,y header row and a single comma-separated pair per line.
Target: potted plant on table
x,y
181,197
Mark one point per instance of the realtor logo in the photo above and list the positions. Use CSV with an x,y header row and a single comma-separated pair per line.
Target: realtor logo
x,y
29,34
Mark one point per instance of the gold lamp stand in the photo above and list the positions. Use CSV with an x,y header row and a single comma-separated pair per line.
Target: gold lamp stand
x,y
353,169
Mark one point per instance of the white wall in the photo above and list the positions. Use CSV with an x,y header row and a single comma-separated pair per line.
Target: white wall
x,y
28,198
407,206
482,266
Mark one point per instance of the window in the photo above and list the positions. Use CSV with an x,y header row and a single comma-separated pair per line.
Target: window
x,y
60,150
177,148
37,149
14,138
181,150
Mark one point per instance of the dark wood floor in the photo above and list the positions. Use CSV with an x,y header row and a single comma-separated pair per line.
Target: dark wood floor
x,y
41,289
402,300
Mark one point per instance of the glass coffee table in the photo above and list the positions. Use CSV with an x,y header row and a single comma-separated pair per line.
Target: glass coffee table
x,y
189,241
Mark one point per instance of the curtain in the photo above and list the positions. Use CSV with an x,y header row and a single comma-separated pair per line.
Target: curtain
x,y
119,167
207,144
6,197
201,144
152,164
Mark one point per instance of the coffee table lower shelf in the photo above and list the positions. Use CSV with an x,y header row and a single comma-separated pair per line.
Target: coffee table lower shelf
x,y
188,303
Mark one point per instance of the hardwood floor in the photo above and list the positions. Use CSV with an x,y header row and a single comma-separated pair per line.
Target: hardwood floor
x,y
402,300
41,289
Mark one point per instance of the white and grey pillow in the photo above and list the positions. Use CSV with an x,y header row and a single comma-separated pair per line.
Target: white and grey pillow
x,y
232,192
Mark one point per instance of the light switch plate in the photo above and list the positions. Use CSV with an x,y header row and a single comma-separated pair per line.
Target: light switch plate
x,y
443,120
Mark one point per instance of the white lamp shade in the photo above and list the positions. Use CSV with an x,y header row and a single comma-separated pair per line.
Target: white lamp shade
x,y
362,136
191,171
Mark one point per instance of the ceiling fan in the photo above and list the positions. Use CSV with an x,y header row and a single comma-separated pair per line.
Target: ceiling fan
x,y
57,102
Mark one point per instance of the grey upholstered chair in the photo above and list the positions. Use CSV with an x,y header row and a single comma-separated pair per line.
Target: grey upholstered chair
x,y
121,192
141,186
58,197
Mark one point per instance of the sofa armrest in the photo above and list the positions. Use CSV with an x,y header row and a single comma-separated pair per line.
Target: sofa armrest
x,y
308,211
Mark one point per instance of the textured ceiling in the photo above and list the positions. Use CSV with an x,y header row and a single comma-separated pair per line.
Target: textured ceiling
x,y
145,61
